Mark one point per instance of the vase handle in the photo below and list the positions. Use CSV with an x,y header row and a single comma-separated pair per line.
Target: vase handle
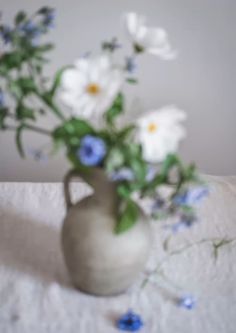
x,y
68,177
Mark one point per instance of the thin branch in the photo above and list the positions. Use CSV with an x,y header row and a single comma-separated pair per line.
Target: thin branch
x,y
29,127
158,269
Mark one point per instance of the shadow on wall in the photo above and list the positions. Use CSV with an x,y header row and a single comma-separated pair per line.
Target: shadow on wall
x,y
32,248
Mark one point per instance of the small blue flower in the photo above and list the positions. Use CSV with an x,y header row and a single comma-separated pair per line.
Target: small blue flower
x,y
6,34
151,173
184,223
37,154
49,19
157,205
131,65
187,302
31,31
191,196
130,322
122,174
115,44
92,150
86,55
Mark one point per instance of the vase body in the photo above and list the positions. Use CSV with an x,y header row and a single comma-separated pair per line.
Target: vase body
x,y
99,261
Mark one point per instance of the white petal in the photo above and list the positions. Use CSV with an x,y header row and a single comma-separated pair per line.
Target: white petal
x,y
71,79
97,70
132,22
82,65
156,145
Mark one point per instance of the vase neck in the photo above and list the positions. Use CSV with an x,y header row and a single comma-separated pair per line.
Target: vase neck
x,y
104,189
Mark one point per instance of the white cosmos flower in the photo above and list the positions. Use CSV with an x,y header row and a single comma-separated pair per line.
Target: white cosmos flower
x,y
90,87
159,133
148,39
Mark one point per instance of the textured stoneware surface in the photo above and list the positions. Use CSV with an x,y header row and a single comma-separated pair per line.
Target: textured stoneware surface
x,y
36,295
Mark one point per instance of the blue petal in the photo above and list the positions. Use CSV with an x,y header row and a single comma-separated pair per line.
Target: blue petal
x,y
130,322
187,302
122,174
92,150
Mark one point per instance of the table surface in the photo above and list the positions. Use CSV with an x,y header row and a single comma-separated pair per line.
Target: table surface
x,y
36,294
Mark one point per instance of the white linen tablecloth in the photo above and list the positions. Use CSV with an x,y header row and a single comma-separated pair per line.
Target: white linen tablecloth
x,y
37,297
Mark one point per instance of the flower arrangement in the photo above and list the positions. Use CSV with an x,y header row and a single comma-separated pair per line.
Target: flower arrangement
x,y
141,156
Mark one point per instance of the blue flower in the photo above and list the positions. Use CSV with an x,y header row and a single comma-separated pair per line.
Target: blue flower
x,y
184,223
37,154
115,44
92,150
129,322
151,173
130,65
30,30
192,196
6,34
122,174
49,19
187,302
157,205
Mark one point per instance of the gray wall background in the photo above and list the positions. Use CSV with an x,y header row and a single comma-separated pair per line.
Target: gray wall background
x,y
201,81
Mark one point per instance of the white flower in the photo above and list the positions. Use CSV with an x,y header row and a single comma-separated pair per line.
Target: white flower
x,y
90,87
159,133
148,39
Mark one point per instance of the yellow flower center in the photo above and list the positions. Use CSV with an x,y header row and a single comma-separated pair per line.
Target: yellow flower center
x,y
152,127
93,89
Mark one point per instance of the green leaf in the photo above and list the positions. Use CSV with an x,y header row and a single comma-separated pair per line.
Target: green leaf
x,y
128,217
26,85
20,17
135,150
11,60
72,129
139,167
44,48
125,132
131,80
115,109
23,112
19,140
57,80
3,114
15,90
190,173
114,160
124,191
47,98
44,10
170,161
75,161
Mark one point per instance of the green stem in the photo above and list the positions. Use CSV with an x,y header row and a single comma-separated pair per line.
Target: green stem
x,y
158,269
29,127
48,101
43,95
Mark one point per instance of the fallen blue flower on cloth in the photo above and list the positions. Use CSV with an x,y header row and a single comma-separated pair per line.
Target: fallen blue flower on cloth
x,y
129,322
185,222
187,302
92,150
